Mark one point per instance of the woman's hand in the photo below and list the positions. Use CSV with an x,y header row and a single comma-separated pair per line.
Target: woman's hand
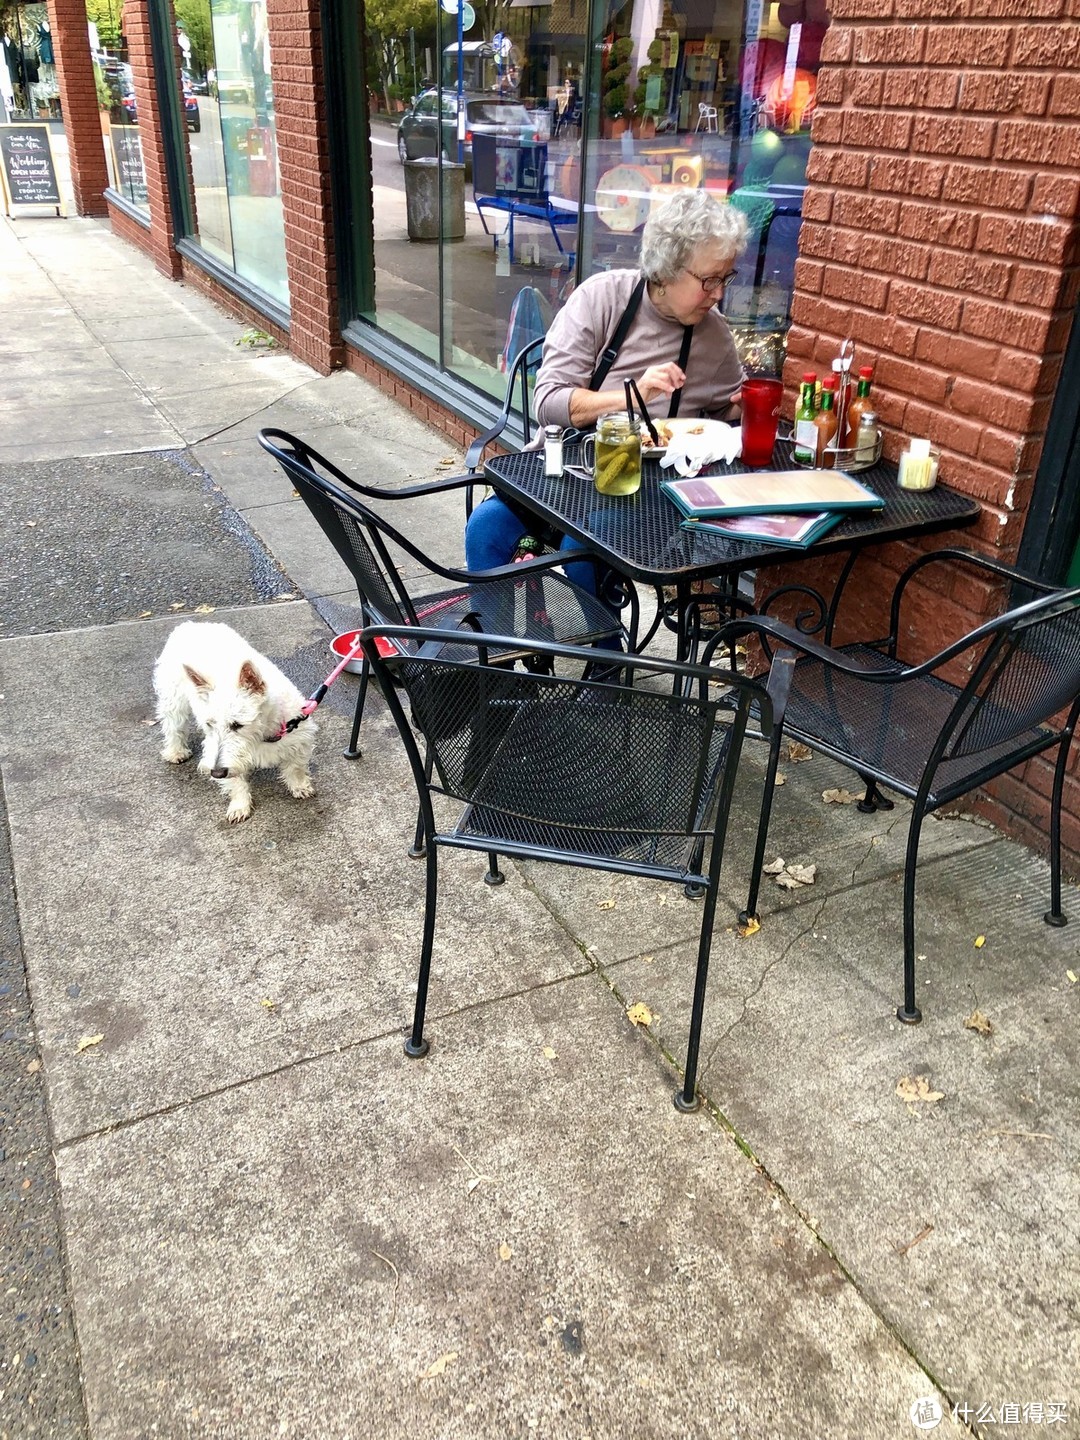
x,y
661,380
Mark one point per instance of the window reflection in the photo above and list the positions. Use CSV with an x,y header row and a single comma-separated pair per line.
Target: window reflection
x,y
569,137
233,147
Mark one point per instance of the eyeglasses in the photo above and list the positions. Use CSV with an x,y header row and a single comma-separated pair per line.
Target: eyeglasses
x,y
712,282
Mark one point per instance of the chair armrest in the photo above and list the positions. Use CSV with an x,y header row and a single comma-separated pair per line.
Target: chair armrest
x,y
518,569
980,562
793,640
475,452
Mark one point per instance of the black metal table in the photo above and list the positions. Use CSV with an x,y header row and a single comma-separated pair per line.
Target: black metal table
x,y
640,536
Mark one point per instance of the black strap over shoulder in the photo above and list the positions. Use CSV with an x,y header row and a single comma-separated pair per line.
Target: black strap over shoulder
x,y
684,355
611,352
609,355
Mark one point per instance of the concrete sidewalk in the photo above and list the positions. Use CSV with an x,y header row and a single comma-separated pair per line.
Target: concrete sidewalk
x,y
272,1223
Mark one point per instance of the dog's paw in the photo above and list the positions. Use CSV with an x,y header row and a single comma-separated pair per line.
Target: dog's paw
x,y
301,789
237,812
176,754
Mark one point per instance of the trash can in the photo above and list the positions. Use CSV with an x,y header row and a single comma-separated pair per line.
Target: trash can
x,y
422,199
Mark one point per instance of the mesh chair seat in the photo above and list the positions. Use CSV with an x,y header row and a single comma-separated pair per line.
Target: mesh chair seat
x,y
538,607
593,774
889,731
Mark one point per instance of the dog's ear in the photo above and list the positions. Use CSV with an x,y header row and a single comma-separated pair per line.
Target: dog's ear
x,y
251,680
198,680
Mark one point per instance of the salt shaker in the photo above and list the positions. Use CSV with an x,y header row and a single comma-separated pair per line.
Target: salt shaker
x,y
553,448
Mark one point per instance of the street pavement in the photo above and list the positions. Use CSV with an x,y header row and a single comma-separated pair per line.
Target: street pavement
x,y
232,1208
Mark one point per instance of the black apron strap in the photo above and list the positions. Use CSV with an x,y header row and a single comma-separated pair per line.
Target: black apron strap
x,y
614,345
684,355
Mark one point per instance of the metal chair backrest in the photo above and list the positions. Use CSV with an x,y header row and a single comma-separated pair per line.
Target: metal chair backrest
x,y
355,531
518,389
1029,671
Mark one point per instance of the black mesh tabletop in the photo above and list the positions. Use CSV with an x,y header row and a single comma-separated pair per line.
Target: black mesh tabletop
x,y
640,535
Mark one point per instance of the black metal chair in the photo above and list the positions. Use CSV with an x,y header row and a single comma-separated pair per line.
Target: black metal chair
x,y
908,727
524,602
518,398
555,767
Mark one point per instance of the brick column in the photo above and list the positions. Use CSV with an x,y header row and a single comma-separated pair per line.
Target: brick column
x,y
140,55
940,232
296,59
78,97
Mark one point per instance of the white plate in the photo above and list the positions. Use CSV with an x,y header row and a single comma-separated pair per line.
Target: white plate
x,y
678,428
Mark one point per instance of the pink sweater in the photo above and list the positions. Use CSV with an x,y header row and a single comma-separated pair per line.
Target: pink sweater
x,y
585,325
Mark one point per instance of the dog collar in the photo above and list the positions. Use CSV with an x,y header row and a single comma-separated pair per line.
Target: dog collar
x,y
288,726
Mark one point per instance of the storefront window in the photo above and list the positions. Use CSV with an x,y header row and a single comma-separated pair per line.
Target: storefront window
x,y
229,114
568,141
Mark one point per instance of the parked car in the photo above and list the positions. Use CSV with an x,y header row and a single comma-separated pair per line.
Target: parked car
x,y
191,108
426,121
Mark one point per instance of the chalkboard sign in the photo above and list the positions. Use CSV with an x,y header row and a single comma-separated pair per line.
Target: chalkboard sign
x,y
29,171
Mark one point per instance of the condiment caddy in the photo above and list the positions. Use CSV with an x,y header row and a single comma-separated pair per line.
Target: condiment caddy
x,y
835,429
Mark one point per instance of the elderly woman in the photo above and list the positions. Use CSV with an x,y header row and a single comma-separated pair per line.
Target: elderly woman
x,y
658,325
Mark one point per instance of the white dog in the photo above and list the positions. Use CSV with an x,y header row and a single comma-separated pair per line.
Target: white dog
x,y
242,704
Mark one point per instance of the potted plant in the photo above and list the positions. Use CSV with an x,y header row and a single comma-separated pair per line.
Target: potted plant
x,y
614,98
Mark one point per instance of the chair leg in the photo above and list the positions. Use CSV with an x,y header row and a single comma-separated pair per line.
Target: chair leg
x,y
1055,915
750,913
419,846
416,1047
353,750
494,875
909,1012
873,800
687,1099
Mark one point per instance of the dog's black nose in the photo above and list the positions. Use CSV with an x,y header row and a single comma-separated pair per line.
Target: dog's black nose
x,y
220,773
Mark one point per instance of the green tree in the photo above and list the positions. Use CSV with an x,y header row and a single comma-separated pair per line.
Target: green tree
x,y
105,15
194,16
388,26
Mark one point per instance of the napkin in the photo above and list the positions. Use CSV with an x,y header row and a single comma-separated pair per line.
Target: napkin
x,y
688,454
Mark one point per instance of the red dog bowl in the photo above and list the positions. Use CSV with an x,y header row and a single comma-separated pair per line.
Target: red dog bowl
x,y
342,644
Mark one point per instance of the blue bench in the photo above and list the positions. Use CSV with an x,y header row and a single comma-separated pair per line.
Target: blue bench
x,y
510,175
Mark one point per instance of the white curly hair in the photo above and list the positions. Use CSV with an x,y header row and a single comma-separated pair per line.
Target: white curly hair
x,y
675,229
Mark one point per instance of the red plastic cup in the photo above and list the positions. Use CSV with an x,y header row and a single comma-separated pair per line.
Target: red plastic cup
x,y
761,399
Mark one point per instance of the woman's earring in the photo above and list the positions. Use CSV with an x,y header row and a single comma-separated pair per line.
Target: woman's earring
x,y
659,289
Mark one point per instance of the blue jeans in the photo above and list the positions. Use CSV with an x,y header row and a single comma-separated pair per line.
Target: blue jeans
x,y
492,534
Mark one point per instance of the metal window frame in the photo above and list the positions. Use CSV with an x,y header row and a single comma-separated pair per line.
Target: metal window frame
x,y
1052,528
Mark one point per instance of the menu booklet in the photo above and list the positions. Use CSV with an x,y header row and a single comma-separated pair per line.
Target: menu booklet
x,y
767,492
798,531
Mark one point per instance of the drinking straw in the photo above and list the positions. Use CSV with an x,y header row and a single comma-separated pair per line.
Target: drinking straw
x,y
654,434
629,403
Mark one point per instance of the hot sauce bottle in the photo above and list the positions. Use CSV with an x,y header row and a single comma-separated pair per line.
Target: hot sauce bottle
x,y
858,407
825,424
805,431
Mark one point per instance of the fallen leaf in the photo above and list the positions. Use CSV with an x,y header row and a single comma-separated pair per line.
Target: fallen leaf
x,y
804,874
647,959
781,779
33,1067
840,797
911,1090
1072,976
472,1185
549,1053
639,1014
438,1366
978,1021
608,904
796,751
204,609
980,941
504,1251
178,605
751,927
267,1003
145,614
87,1041
775,867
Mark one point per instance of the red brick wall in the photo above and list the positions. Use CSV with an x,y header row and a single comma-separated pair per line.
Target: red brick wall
x,y
78,99
940,232
303,150
137,32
